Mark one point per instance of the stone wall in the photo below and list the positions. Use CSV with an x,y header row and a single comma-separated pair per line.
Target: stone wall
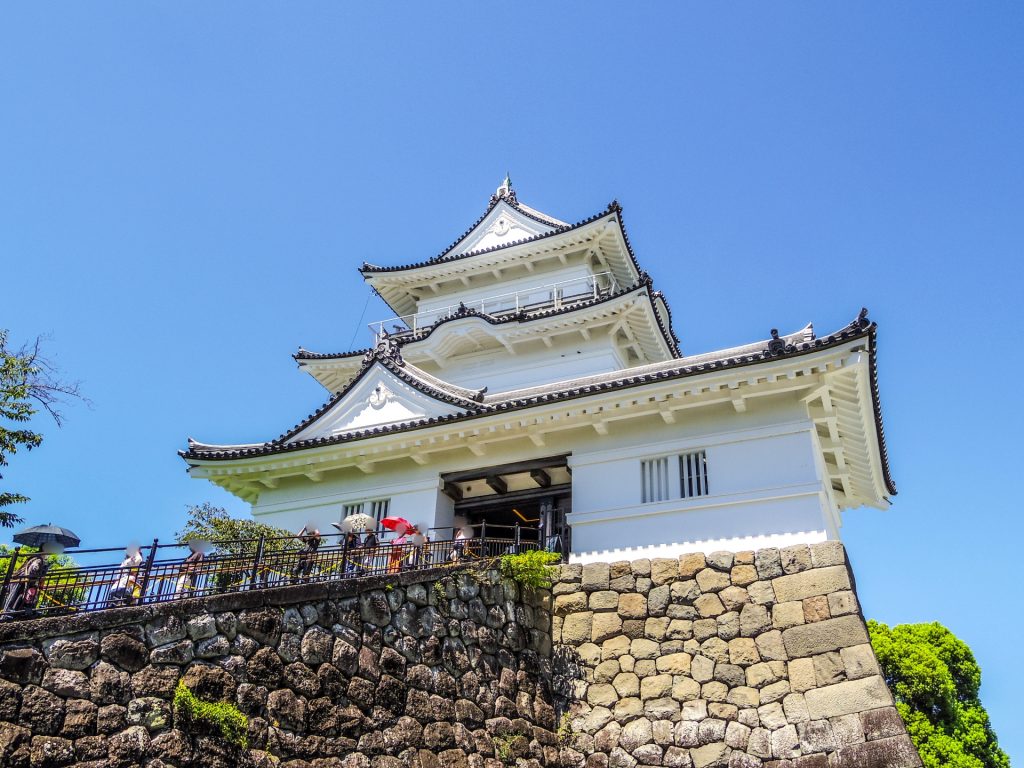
x,y
740,660
425,670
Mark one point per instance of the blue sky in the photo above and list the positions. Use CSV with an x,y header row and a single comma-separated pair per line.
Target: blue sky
x,y
186,190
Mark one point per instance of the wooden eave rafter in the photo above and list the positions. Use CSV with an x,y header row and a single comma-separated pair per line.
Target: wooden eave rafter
x,y
839,369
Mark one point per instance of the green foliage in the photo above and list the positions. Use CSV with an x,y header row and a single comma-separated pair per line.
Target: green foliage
x,y
935,680
27,382
505,747
221,716
564,732
233,536
533,568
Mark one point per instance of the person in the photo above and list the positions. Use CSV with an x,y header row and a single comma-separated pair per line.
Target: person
x,y
459,548
126,587
351,545
370,544
307,555
189,570
397,552
23,591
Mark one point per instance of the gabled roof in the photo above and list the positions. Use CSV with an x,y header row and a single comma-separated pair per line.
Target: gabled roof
x,y
477,404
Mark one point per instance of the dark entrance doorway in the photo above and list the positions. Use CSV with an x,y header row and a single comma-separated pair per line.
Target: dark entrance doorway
x,y
534,495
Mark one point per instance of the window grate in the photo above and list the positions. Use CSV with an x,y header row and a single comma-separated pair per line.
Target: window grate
x,y
693,474
654,480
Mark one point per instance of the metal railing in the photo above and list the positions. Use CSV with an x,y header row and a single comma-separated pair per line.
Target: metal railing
x,y
547,296
240,565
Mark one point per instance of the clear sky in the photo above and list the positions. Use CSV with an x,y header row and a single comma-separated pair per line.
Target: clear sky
x,y
186,190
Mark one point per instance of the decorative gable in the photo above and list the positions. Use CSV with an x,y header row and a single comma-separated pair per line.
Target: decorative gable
x,y
503,225
378,398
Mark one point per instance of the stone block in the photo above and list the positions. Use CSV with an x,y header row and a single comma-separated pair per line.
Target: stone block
x,y
676,757
642,648
711,730
842,603
691,564
674,663
710,580
704,629
626,684
753,620
828,668
795,558
685,688
574,602
771,715
882,723
801,674
818,581
743,651
847,729
761,592
656,687
664,571
847,698
826,553
577,628
760,743
744,697
615,647
601,695
595,577
640,568
829,635
785,742
709,606
694,711
859,661
736,735
895,752
604,600
665,708
721,560
606,671
795,707
658,600
816,736
714,692
679,629
775,691
657,628
709,755
770,646
816,609
786,615
768,563
632,606
728,625
734,598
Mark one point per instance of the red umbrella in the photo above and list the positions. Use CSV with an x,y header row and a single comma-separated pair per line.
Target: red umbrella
x,y
394,523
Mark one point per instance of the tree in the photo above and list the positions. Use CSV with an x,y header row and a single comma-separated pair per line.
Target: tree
x,y
28,382
935,680
232,535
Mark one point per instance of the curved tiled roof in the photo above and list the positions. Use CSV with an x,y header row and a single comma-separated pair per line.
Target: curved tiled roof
x,y
664,324
447,255
801,343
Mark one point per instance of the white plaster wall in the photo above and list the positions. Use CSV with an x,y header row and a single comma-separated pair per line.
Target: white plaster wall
x,y
765,480
570,358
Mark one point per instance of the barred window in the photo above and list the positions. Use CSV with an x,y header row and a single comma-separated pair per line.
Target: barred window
x,y
661,477
654,482
693,474
377,508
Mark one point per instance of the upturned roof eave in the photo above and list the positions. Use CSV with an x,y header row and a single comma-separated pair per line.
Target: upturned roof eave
x,y
860,329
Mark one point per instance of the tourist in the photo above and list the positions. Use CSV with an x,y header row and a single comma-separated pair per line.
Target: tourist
x,y
459,548
351,545
397,553
127,588
307,555
23,591
189,568
370,545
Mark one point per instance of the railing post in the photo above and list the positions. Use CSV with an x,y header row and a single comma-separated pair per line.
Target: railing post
x,y
149,567
483,539
344,557
11,566
256,563
517,540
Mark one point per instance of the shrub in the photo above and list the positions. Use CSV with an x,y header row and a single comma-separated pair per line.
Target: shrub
x,y
225,718
533,568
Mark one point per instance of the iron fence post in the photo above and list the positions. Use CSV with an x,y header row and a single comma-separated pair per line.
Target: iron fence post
x,y
256,563
517,539
344,557
149,567
7,576
483,539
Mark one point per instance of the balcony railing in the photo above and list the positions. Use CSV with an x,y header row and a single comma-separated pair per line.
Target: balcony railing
x,y
533,299
240,565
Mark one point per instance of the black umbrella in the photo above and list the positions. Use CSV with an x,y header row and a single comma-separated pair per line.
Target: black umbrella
x,y
38,535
